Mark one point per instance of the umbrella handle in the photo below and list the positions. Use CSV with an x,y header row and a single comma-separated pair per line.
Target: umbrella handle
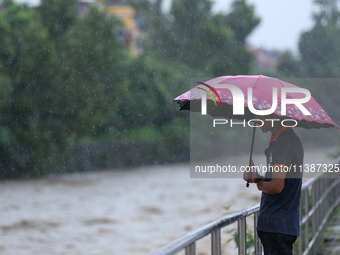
x,y
251,149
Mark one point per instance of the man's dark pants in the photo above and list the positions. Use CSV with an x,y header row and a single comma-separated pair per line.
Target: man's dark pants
x,y
276,243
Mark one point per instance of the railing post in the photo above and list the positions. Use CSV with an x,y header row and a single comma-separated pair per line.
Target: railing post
x,y
216,242
300,238
242,237
307,222
314,223
318,213
190,249
257,241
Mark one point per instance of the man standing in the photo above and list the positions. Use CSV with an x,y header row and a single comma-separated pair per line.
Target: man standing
x,y
279,215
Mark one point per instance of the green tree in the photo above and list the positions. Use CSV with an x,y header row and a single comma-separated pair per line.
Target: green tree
x,y
242,19
147,99
329,12
192,35
319,47
56,90
58,15
25,71
288,65
91,72
320,52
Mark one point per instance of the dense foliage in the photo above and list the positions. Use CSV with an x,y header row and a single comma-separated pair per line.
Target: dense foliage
x,y
319,52
56,78
319,56
66,79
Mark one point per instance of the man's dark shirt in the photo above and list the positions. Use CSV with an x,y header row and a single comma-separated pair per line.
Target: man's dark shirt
x,y
280,213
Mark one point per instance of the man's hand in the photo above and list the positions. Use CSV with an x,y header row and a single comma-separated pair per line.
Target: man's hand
x,y
251,175
275,186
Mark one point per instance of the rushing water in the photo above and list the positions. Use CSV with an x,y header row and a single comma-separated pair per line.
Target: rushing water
x,y
131,212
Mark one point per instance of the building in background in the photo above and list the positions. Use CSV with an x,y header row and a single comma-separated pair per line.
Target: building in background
x,y
126,14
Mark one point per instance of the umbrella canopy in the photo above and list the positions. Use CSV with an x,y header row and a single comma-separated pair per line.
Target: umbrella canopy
x,y
255,93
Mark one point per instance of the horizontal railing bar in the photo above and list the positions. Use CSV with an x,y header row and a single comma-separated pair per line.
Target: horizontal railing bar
x,y
201,232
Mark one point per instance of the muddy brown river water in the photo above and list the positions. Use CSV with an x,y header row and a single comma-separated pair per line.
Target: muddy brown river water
x,y
118,213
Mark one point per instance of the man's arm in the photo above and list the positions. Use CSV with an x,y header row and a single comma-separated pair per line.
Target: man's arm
x,y
275,186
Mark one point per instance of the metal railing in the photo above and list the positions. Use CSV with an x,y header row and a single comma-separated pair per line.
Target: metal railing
x,y
319,197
